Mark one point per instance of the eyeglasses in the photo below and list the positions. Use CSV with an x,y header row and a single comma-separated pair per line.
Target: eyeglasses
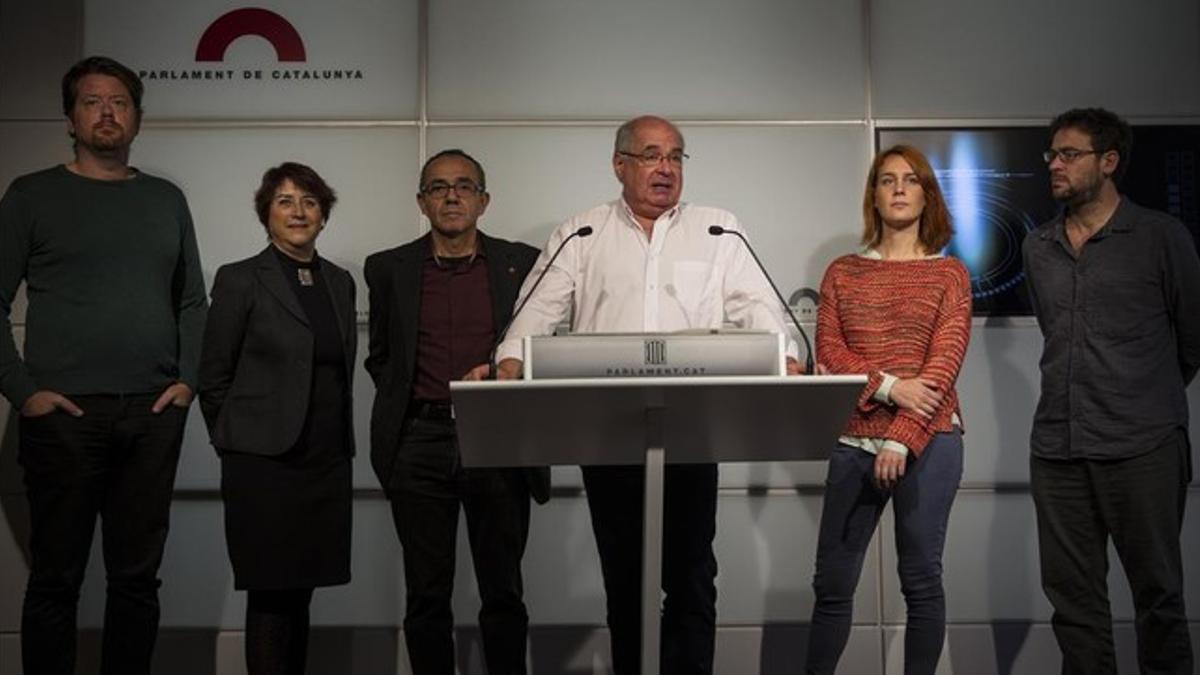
x,y
463,188
653,157
1068,155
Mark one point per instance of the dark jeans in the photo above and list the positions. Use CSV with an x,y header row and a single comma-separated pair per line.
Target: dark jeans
x,y
116,461
1139,502
615,497
427,486
921,503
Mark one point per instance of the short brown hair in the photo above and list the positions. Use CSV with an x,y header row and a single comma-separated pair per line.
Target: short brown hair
x,y
935,226
1107,131
303,177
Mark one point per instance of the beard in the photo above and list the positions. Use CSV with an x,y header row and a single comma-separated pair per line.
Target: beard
x,y
108,138
1074,195
104,139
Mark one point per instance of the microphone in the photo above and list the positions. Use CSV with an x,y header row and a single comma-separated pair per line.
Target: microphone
x,y
584,231
716,231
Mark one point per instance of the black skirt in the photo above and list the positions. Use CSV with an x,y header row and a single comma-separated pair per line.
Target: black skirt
x,y
287,518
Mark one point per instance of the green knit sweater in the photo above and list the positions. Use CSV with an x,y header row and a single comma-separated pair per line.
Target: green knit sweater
x,y
112,272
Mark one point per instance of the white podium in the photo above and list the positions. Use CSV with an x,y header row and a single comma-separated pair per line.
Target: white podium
x,y
652,421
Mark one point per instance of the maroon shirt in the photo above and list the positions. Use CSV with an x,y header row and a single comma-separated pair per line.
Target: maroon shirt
x,y
454,331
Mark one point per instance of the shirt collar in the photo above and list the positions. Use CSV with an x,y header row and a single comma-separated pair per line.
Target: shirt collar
x,y
480,252
1119,222
670,216
873,254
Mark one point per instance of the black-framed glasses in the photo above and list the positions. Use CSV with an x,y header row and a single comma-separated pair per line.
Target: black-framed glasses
x,y
1068,155
653,157
462,188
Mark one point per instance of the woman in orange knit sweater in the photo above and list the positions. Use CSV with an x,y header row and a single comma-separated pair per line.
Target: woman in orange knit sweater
x,y
899,312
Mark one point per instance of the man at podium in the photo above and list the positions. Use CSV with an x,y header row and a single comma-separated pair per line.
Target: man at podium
x,y
647,262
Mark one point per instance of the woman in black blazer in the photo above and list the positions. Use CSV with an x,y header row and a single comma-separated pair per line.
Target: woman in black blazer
x,y
275,390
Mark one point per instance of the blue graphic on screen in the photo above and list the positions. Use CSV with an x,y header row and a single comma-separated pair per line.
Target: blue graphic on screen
x,y
996,189
989,225
962,193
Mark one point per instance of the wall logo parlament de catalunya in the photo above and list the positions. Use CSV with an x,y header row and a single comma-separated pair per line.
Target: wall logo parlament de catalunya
x,y
251,22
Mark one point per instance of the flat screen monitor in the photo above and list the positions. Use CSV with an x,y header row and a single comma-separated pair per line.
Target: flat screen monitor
x,y
997,190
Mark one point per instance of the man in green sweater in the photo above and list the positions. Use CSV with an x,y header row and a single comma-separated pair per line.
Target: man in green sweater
x,y
115,315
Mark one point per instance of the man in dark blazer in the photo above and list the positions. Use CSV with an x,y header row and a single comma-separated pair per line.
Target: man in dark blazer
x,y
437,306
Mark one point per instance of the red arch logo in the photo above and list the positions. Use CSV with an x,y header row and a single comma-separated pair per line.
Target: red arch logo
x,y
250,21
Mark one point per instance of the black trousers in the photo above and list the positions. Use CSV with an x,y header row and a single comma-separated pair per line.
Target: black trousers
x,y
1139,503
117,462
615,497
427,487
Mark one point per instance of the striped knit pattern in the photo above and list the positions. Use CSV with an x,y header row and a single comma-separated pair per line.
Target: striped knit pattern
x,y
906,318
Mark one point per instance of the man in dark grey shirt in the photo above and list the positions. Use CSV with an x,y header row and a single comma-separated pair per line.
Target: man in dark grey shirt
x,y
1116,288
112,340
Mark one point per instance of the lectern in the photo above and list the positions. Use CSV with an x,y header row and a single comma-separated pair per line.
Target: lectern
x,y
651,414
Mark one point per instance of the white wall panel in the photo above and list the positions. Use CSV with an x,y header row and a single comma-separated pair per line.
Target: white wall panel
x,y
978,650
998,388
375,41
797,190
1028,58
768,59
219,169
998,649
766,548
563,584
758,475
537,176
38,43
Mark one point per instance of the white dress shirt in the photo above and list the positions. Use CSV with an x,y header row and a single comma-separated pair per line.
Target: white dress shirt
x,y
619,280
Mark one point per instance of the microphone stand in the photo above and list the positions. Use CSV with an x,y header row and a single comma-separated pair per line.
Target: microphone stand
x,y
584,231
716,231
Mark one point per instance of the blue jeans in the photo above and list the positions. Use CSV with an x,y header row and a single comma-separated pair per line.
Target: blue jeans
x,y
852,506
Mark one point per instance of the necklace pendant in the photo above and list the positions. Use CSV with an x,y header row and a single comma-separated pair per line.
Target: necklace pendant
x,y
305,275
